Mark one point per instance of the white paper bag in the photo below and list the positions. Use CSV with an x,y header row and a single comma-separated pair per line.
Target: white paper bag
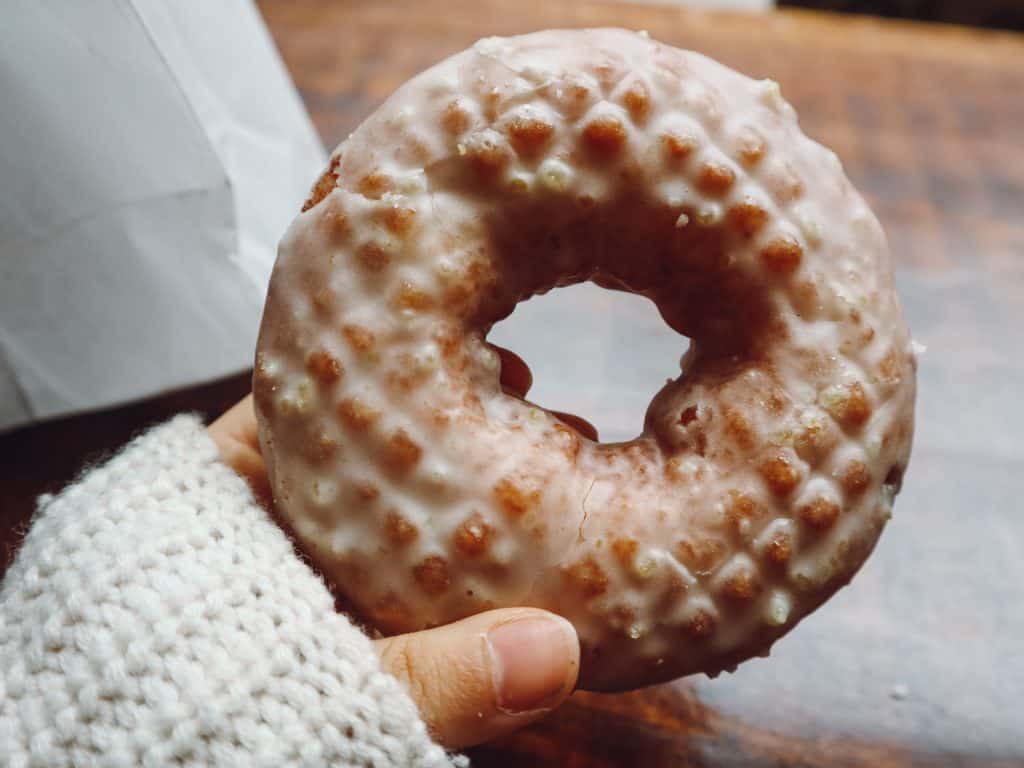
x,y
151,156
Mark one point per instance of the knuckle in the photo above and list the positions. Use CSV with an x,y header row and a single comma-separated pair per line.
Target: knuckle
x,y
399,657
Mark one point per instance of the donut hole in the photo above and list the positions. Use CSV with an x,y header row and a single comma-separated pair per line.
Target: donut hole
x,y
630,242
596,353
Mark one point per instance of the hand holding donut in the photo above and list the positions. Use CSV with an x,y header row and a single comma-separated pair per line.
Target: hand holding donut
x,y
763,474
472,680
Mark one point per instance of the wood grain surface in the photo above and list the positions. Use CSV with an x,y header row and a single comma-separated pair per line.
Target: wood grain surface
x,y
919,662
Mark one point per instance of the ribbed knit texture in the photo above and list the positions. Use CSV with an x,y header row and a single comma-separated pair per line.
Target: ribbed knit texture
x,y
156,616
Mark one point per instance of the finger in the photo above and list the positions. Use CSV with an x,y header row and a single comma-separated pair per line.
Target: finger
x,y
578,423
516,378
487,675
239,421
236,435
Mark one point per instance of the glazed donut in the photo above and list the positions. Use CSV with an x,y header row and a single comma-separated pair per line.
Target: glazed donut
x,y
764,473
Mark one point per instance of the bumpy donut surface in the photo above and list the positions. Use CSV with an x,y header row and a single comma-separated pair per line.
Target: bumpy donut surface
x,y
764,473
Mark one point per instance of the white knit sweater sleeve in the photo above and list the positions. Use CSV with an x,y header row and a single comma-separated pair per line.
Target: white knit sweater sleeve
x,y
156,616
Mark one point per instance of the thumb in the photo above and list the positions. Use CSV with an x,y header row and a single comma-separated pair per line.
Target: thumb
x,y
486,675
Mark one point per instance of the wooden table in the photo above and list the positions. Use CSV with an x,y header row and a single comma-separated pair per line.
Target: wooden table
x,y
921,661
